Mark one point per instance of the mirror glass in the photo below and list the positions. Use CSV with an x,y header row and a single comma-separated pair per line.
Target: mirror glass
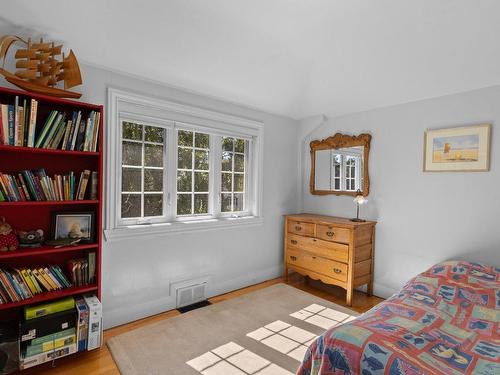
x,y
339,170
339,165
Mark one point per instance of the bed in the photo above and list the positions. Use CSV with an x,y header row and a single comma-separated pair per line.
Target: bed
x,y
444,321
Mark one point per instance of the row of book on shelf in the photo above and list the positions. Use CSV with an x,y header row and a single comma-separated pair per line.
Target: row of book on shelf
x,y
36,185
73,132
18,284
49,331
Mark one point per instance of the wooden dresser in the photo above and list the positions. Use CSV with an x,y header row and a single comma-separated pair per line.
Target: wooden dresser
x,y
334,250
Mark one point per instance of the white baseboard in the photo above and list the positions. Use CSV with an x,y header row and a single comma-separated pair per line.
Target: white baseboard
x,y
135,311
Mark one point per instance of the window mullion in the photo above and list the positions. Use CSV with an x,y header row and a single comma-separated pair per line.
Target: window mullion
x,y
215,175
143,150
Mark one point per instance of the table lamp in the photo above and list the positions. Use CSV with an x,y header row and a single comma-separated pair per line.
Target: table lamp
x,y
359,200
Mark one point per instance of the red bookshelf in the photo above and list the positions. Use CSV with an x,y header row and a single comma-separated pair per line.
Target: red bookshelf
x,y
32,215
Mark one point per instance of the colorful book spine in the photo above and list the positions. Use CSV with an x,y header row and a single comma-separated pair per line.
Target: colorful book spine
x,y
12,125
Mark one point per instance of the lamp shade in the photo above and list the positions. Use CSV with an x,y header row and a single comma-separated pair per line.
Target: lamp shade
x,y
360,199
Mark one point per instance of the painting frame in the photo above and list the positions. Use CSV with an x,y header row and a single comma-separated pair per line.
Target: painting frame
x,y
458,149
62,220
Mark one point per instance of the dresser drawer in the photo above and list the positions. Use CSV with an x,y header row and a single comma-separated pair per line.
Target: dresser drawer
x,y
300,227
331,250
317,264
332,233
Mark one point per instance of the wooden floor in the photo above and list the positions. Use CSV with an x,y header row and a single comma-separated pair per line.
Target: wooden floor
x,y
100,362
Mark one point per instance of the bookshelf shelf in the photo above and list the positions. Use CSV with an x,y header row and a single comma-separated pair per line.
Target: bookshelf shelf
x,y
33,150
20,253
47,296
48,203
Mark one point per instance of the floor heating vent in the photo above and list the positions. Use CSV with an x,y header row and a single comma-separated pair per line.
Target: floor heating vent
x,y
191,294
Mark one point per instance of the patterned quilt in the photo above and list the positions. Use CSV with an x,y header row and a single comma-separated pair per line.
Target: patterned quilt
x,y
444,321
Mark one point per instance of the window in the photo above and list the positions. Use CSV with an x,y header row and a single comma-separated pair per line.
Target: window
x,y
233,176
337,171
172,165
142,171
193,172
350,172
346,171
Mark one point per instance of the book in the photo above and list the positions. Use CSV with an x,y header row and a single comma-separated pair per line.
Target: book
x,y
95,138
82,324
20,127
32,123
36,311
91,267
53,130
38,359
66,135
4,108
53,336
80,138
12,125
55,343
83,185
26,121
16,121
76,130
48,123
94,185
89,132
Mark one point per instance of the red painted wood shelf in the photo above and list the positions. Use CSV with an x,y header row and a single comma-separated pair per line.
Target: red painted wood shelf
x,y
20,253
33,150
47,296
48,203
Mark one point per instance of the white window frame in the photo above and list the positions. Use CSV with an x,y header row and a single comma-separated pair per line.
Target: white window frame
x,y
133,107
359,161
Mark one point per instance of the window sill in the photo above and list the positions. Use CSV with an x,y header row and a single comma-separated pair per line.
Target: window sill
x,y
178,227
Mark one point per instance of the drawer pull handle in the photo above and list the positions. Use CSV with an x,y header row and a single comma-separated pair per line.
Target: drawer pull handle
x,y
294,242
293,258
337,270
298,227
330,234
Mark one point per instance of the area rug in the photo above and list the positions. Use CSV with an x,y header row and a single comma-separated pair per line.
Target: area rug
x,y
265,332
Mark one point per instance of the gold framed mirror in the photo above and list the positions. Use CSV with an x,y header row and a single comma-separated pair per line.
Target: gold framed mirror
x,y
339,165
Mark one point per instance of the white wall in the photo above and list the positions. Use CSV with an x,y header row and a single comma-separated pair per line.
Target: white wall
x,y
423,218
137,273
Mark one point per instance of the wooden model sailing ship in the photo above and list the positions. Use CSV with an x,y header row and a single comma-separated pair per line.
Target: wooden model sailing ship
x,y
38,68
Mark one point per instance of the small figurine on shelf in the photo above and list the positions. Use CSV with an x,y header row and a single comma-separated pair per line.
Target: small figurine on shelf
x,y
30,239
8,239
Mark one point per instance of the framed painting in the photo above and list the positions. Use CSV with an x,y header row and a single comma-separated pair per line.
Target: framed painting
x,y
463,149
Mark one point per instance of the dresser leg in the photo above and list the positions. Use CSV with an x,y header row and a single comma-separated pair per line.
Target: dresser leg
x,y
285,274
369,289
348,299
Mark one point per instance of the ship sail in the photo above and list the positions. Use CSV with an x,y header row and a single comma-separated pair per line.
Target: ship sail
x,y
71,73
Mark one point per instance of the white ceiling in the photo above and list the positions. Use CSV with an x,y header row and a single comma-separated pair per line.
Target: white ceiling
x,y
296,58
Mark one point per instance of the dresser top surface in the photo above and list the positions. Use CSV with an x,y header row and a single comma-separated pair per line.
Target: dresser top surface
x,y
323,219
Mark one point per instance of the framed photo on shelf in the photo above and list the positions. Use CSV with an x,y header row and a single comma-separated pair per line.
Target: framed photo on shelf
x,y
462,149
73,226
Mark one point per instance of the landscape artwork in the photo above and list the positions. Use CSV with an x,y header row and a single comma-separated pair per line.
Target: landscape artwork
x,y
457,149
460,148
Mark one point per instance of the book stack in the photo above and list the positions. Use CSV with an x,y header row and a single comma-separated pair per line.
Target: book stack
x,y
82,271
72,134
48,331
18,122
19,284
35,185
